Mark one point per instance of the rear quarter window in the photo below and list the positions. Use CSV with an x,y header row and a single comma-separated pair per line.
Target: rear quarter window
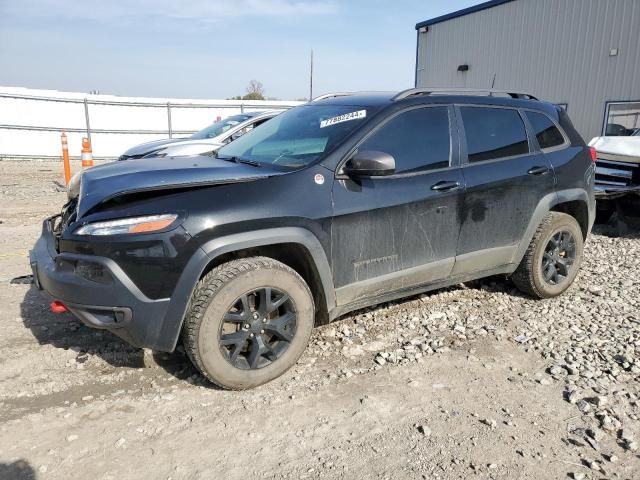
x,y
493,133
546,131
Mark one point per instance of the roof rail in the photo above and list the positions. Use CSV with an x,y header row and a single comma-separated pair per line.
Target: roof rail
x,y
332,95
465,91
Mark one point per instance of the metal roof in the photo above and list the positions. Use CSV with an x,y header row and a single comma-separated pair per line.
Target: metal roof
x,y
461,13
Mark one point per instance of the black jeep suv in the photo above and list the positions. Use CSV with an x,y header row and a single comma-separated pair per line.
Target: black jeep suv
x,y
344,202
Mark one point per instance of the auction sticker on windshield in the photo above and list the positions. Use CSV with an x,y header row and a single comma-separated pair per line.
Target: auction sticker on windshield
x,y
345,117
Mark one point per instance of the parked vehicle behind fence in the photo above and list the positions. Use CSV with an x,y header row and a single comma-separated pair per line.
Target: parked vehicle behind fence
x,y
206,141
342,203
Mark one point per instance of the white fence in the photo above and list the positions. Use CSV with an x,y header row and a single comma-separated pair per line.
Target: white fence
x,y
31,121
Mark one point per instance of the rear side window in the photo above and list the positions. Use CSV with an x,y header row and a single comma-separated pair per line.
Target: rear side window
x,y
546,131
418,139
493,133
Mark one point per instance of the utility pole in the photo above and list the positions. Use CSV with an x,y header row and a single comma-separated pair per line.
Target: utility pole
x,y
311,78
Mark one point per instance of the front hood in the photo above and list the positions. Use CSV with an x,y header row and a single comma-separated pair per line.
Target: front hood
x,y
149,147
104,182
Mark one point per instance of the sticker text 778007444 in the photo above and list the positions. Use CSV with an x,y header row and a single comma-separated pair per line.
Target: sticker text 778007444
x,y
345,117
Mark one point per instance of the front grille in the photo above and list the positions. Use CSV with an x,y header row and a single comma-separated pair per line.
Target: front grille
x,y
617,174
68,214
60,222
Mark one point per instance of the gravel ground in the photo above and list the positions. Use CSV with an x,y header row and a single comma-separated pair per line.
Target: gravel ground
x,y
474,381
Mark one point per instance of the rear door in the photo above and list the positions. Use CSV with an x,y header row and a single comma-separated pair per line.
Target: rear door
x,y
399,231
505,177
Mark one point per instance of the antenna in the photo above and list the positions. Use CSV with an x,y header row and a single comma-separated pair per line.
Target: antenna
x,y
493,82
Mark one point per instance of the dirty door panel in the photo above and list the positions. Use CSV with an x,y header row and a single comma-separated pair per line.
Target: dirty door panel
x,y
505,183
411,226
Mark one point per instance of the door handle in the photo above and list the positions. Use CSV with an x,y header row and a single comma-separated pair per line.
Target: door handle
x,y
445,186
538,170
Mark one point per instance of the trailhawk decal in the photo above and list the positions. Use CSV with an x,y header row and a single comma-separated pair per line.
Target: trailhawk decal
x,y
345,117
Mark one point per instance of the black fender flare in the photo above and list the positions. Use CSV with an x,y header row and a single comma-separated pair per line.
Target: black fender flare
x,y
545,205
179,303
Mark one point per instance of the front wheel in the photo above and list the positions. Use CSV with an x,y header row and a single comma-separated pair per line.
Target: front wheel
x,y
553,258
248,322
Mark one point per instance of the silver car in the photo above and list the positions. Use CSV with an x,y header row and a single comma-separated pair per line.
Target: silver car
x,y
205,141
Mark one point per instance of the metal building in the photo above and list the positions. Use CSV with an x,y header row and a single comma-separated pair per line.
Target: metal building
x,y
583,54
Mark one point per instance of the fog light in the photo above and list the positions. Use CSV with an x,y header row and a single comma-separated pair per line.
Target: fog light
x,y
94,272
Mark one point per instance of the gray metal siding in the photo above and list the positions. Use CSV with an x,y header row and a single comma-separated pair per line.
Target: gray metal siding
x,y
557,50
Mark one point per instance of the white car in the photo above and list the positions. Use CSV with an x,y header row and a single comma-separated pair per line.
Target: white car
x,y
617,165
205,141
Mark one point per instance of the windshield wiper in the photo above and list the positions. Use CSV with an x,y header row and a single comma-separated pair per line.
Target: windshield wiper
x,y
253,163
226,159
235,159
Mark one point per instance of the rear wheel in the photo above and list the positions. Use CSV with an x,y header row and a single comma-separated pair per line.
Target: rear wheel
x,y
248,323
553,258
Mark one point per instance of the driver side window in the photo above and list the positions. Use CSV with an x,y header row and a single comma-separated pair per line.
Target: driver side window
x,y
418,139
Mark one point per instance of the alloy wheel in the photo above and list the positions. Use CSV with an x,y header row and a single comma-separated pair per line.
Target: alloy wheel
x,y
559,257
258,328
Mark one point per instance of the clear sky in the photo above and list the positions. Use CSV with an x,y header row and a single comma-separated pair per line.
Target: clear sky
x,y
212,48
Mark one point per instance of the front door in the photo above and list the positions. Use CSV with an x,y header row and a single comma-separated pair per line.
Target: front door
x,y
505,180
399,231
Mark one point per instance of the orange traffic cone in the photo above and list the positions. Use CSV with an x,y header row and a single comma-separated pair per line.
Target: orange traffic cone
x,y
87,157
65,158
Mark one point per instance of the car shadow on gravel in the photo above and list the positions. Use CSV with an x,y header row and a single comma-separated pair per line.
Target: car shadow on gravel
x,y
496,284
619,227
18,470
66,332
623,222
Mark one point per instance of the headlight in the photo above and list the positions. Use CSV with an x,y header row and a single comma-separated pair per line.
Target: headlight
x,y
123,226
73,189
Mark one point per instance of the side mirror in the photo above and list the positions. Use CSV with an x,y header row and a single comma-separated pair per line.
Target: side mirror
x,y
370,163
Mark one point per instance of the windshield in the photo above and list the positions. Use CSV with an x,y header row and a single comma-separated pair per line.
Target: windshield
x,y
298,136
220,127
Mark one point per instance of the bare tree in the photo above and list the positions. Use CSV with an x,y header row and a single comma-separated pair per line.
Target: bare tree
x,y
255,91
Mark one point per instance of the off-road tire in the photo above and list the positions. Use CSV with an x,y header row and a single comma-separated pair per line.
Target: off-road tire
x,y
529,277
211,300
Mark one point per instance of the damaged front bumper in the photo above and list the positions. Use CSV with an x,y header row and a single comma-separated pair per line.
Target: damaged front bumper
x,y
608,192
99,293
616,178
